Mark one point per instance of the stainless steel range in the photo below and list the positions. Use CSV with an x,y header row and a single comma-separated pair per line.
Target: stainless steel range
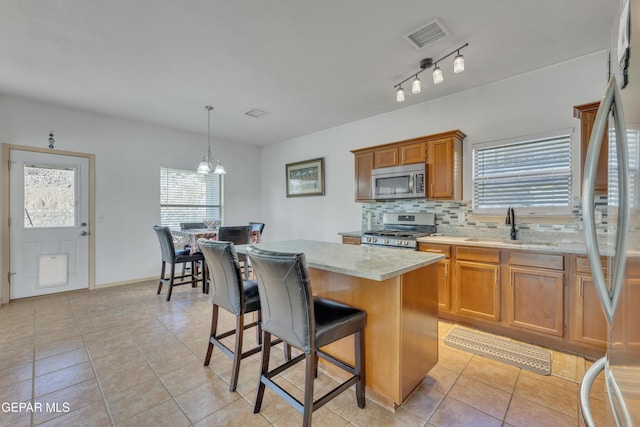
x,y
401,230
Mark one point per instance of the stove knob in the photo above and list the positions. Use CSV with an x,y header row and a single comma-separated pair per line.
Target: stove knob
x,y
386,241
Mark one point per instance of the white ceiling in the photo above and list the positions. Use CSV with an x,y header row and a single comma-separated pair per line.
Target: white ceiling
x,y
311,64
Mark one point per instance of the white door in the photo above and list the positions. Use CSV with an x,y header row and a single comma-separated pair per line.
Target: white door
x,y
49,223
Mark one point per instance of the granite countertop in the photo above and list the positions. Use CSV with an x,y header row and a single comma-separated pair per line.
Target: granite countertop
x,y
536,246
351,233
359,261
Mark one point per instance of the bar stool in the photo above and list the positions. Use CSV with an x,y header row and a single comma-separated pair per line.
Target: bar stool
x,y
236,296
291,312
173,257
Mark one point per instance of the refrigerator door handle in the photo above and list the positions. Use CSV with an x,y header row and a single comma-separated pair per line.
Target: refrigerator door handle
x,y
585,390
611,102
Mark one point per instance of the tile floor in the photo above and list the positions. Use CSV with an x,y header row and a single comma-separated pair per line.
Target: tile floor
x,y
124,356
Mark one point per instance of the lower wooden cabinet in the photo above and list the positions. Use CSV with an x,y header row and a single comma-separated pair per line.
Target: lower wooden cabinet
x,y
536,292
477,283
444,274
587,321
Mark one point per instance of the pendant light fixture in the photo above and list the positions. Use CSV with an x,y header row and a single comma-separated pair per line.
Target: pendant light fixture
x,y
438,76
206,165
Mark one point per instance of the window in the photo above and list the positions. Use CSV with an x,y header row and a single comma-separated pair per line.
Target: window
x,y
533,175
188,196
633,150
50,198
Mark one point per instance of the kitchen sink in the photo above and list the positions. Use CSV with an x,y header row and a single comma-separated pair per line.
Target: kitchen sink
x,y
510,242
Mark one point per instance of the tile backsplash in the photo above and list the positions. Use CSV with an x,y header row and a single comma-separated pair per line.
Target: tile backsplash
x,y
456,218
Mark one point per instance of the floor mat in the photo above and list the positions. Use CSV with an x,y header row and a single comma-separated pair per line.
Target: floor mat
x,y
525,356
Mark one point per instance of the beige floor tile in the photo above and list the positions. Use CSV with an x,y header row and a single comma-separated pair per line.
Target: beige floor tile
x,y
15,417
452,412
72,398
206,399
167,414
322,417
565,366
546,392
135,400
60,361
239,413
481,396
452,358
493,373
16,353
16,392
522,412
374,415
188,377
62,378
423,402
16,374
94,415
131,372
440,379
53,347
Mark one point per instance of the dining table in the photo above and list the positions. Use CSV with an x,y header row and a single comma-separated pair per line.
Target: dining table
x,y
189,237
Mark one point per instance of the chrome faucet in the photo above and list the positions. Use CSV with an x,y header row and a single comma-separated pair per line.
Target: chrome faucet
x,y
511,219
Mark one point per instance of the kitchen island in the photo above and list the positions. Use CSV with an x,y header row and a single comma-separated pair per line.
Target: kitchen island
x,y
398,291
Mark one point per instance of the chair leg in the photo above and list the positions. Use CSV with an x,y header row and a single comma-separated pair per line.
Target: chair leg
x,y
287,351
311,364
194,274
264,368
161,277
259,326
237,353
171,279
359,367
205,278
214,331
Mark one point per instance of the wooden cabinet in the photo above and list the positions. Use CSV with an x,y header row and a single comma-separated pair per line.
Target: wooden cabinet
x,y
441,153
363,168
413,153
477,283
444,273
586,319
385,157
350,240
536,292
444,168
587,115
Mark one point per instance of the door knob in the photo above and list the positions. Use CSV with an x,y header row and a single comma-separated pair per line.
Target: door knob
x,y
84,233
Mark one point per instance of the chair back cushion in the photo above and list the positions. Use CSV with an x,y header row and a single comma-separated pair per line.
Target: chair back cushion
x,y
166,243
285,296
238,235
257,226
192,225
224,273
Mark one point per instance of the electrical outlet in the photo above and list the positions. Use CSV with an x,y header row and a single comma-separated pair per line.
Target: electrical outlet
x,y
461,217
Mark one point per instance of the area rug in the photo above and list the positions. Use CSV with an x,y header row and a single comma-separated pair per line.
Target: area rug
x,y
525,356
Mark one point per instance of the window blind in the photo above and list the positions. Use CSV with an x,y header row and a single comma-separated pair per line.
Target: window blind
x,y
534,174
188,196
633,151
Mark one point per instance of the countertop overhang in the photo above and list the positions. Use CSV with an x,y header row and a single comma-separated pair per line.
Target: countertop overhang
x,y
360,261
578,248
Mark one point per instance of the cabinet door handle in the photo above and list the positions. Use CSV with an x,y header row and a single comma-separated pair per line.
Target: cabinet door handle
x,y
446,269
580,288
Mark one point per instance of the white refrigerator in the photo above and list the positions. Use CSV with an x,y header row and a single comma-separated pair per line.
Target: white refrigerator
x,y
618,285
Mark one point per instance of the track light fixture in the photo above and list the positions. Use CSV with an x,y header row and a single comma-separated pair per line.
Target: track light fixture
x,y
438,77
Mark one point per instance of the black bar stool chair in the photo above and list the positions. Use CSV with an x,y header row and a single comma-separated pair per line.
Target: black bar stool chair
x,y
290,312
236,296
173,257
238,235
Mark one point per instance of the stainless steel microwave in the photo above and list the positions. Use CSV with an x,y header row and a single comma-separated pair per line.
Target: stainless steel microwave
x,y
399,182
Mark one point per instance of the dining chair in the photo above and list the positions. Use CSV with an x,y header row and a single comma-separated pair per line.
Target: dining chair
x,y
192,225
235,295
257,228
305,322
172,256
238,235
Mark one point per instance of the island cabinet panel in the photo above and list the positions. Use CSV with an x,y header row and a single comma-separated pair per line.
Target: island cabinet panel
x,y
401,334
386,158
535,292
363,168
444,273
587,321
477,283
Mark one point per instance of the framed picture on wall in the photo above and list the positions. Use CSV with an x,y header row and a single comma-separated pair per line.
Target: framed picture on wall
x,y
305,178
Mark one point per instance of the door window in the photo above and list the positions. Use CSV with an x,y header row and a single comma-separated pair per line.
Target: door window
x,y
50,196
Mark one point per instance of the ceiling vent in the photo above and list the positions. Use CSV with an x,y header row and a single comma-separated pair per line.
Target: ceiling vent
x,y
254,112
427,34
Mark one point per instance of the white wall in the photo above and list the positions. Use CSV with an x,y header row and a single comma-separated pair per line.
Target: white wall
x,y
531,103
128,158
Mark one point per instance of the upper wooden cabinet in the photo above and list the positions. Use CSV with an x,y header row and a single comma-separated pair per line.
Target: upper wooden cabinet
x,y
587,115
441,153
364,166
